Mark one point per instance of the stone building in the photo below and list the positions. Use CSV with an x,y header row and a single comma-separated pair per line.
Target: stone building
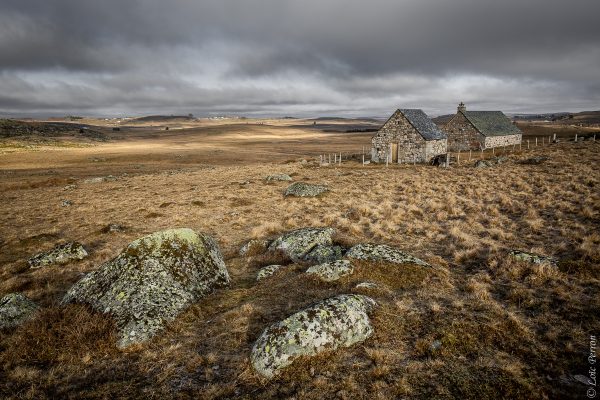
x,y
408,136
475,130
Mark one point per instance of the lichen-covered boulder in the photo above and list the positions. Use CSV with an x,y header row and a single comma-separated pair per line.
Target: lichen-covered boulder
x,y
152,281
532,258
331,271
278,177
15,308
298,243
267,271
323,253
340,321
254,247
303,189
382,252
61,254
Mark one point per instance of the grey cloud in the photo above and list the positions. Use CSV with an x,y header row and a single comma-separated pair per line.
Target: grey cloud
x,y
295,57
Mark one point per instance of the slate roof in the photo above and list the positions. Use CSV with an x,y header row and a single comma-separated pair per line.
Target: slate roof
x,y
423,124
491,123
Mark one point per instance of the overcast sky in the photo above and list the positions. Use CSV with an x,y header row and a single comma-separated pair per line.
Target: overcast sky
x,y
297,57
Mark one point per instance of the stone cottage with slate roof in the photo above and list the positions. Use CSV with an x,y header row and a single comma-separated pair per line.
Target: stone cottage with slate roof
x,y
475,130
408,136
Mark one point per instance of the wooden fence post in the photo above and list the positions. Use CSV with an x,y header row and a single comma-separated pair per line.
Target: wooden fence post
x,y
447,160
363,159
554,138
527,144
575,138
536,142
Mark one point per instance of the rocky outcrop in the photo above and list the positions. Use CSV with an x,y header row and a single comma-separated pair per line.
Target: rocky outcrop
x,y
297,244
382,252
152,281
15,308
254,247
278,177
340,321
331,271
267,271
532,258
303,189
61,254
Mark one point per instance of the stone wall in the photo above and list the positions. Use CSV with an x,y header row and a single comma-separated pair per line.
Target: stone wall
x,y
499,141
411,145
462,135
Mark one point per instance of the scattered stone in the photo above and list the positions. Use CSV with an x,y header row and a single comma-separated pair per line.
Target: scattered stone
x,y
490,162
267,271
100,179
331,271
254,247
303,189
533,258
366,285
298,243
15,308
70,187
336,322
112,228
534,160
367,162
582,379
152,281
61,254
322,254
66,203
278,177
382,252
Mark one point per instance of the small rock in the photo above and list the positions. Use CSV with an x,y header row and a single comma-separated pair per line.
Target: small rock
x,y
70,187
331,271
533,258
534,160
267,271
336,322
111,228
382,252
61,254
303,189
366,285
15,308
254,247
278,177
582,379
66,203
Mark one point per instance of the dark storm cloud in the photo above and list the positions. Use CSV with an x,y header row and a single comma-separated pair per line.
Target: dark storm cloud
x,y
309,56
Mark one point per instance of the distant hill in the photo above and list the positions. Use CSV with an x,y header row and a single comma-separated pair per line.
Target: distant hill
x,y
163,118
11,128
442,120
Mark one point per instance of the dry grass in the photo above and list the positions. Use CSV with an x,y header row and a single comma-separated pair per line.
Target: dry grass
x,y
478,325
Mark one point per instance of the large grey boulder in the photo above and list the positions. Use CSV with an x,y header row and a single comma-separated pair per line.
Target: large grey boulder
x,y
382,252
331,271
340,321
298,243
303,189
15,308
532,258
61,254
152,281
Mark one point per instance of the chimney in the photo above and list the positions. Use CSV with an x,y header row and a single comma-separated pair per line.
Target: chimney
x,y
462,107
